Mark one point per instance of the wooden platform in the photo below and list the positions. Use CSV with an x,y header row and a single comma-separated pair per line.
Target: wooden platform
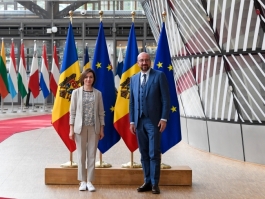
x,y
177,175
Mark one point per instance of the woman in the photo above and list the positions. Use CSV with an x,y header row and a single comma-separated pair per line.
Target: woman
x,y
86,126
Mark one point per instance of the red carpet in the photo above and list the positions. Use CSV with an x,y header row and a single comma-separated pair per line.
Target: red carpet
x,y
17,125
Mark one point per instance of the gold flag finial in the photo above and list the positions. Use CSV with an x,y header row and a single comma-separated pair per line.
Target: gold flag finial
x,y
133,15
100,15
71,13
164,14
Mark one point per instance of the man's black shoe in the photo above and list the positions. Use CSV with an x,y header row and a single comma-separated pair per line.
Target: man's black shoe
x,y
145,187
155,189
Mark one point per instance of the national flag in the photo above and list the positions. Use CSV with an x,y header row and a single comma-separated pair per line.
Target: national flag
x,y
12,75
55,73
119,69
86,60
3,73
105,83
121,114
44,75
172,134
22,74
34,74
68,81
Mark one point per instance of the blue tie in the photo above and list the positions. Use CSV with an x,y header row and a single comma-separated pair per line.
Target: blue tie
x,y
144,80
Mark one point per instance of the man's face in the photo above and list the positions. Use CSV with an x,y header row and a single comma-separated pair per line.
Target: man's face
x,y
144,62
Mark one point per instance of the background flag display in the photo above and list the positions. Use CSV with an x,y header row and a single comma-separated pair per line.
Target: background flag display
x,y
3,73
22,74
105,83
34,74
68,81
86,59
119,69
121,114
12,76
55,73
44,75
172,134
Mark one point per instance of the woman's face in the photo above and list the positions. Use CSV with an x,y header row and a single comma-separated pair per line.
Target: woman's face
x,y
89,79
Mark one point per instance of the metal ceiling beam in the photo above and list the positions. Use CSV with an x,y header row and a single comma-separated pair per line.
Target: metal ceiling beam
x,y
43,14
73,6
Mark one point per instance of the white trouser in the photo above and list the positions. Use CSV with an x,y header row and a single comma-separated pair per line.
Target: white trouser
x,y
86,144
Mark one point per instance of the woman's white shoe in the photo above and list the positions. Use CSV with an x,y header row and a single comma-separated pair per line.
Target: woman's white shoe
x,y
90,187
82,186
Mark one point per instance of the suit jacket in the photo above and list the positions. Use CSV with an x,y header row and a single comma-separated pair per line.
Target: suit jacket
x,y
76,110
157,98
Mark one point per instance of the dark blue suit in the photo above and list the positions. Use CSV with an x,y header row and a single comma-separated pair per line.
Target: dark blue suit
x,y
156,102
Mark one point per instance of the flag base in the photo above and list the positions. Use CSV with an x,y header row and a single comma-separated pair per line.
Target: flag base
x,y
102,165
130,165
69,164
165,166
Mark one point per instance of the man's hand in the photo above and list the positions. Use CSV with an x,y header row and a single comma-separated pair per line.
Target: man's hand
x,y
162,125
132,128
72,135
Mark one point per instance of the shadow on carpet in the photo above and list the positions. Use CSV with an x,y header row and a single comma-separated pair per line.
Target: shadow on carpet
x,y
18,125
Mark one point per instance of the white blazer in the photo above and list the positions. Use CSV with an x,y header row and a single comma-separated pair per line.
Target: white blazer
x,y
76,110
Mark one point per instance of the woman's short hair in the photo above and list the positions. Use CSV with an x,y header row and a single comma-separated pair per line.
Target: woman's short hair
x,y
84,74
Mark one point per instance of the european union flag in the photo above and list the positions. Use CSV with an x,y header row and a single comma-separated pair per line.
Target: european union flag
x,y
172,134
105,83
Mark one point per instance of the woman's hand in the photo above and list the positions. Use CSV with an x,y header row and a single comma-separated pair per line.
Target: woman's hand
x,y
72,135
101,135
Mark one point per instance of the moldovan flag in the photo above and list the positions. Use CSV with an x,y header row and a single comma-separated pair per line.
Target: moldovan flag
x,y
68,81
44,75
172,134
3,73
105,83
119,70
22,74
34,74
12,76
121,114
55,73
86,60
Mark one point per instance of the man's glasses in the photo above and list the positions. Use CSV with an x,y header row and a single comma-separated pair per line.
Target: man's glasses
x,y
143,60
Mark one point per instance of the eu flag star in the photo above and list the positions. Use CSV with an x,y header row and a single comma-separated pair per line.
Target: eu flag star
x,y
173,109
170,67
98,65
112,108
109,67
159,65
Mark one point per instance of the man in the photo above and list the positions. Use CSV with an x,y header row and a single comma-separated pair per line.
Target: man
x,y
149,111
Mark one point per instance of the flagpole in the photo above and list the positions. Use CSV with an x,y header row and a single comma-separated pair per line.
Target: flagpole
x,y
12,106
101,163
71,163
2,104
131,164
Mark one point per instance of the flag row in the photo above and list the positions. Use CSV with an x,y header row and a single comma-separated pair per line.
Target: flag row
x,y
43,80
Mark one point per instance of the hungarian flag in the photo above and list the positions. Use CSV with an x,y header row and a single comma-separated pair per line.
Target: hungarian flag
x,y
55,73
86,60
172,134
34,74
3,73
68,81
121,113
44,75
22,74
105,83
12,75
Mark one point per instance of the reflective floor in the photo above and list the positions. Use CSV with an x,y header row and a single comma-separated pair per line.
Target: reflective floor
x,y
24,156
